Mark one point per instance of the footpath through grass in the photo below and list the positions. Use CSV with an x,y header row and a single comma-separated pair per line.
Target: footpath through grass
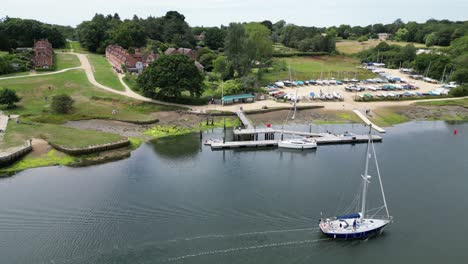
x,y
104,73
306,68
37,119
76,47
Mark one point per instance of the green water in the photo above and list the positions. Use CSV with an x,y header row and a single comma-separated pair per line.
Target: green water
x,y
176,201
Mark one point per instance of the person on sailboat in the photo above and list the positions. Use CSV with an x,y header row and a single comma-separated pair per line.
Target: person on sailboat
x,y
354,224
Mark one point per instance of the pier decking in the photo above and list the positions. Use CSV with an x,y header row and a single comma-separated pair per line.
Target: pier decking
x,y
272,130
367,121
322,139
243,118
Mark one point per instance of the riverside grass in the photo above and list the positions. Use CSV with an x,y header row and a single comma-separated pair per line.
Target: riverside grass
x,y
52,158
160,131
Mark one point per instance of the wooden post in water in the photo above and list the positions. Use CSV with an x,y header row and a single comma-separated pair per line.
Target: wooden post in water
x,y
310,128
201,133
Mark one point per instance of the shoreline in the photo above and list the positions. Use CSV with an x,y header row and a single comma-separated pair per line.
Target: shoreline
x,y
176,123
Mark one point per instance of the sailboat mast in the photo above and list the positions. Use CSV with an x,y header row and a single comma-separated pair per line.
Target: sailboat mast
x,y
295,96
365,176
380,181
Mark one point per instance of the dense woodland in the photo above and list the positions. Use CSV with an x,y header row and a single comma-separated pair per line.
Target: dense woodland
x,y
232,52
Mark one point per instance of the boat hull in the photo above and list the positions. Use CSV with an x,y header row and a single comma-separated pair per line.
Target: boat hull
x,y
355,235
290,145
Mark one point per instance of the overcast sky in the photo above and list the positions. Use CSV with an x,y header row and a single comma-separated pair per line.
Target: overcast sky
x,y
217,12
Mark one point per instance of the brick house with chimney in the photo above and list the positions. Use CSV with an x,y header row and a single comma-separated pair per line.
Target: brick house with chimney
x,y
187,52
122,60
43,54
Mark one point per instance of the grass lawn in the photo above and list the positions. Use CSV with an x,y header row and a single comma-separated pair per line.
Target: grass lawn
x,y
386,117
64,61
459,102
280,48
306,68
354,46
103,72
76,47
15,74
3,53
57,134
90,102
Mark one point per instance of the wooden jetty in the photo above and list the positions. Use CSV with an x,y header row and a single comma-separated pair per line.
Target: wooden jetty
x,y
323,139
367,121
243,118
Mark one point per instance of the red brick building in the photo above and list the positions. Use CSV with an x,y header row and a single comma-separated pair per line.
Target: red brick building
x,y
187,52
44,54
182,51
136,62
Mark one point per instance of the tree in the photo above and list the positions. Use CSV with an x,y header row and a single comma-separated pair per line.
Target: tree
x,y
432,39
207,61
402,34
169,76
129,34
235,47
62,104
214,38
8,97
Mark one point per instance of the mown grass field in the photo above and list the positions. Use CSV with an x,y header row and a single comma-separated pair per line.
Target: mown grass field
x,y
3,53
76,47
90,102
103,72
306,68
64,61
354,46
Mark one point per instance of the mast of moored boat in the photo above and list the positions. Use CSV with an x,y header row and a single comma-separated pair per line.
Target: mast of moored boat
x,y
365,177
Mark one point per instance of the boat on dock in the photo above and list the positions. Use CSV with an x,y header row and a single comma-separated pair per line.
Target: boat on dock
x,y
360,225
301,143
210,141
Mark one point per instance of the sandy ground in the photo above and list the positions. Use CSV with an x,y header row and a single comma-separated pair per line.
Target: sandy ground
x,y
39,147
109,126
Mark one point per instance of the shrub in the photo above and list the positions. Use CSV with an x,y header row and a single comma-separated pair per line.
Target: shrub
x,y
8,97
62,104
460,91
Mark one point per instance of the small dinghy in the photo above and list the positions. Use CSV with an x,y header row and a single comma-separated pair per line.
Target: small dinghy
x,y
210,141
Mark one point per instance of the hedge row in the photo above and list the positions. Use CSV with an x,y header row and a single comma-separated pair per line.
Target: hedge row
x,y
299,54
185,100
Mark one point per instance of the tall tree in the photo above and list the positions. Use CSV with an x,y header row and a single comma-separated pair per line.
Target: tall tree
x,y
169,76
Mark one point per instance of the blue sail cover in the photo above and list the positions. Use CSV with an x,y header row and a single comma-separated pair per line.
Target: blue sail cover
x,y
349,216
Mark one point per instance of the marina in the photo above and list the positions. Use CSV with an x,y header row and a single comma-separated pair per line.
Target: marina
x,y
321,139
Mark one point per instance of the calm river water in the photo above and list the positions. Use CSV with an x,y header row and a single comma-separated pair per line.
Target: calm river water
x,y
176,201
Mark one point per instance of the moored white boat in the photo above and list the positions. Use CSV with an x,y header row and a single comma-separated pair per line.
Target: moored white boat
x,y
301,143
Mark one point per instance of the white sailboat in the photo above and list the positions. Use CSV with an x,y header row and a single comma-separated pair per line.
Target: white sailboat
x,y
359,225
295,143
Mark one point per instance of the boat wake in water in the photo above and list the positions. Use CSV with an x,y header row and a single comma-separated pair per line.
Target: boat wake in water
x,y
230,250
243,234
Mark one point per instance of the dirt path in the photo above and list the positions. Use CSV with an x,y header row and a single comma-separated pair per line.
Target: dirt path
x,y
40,74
